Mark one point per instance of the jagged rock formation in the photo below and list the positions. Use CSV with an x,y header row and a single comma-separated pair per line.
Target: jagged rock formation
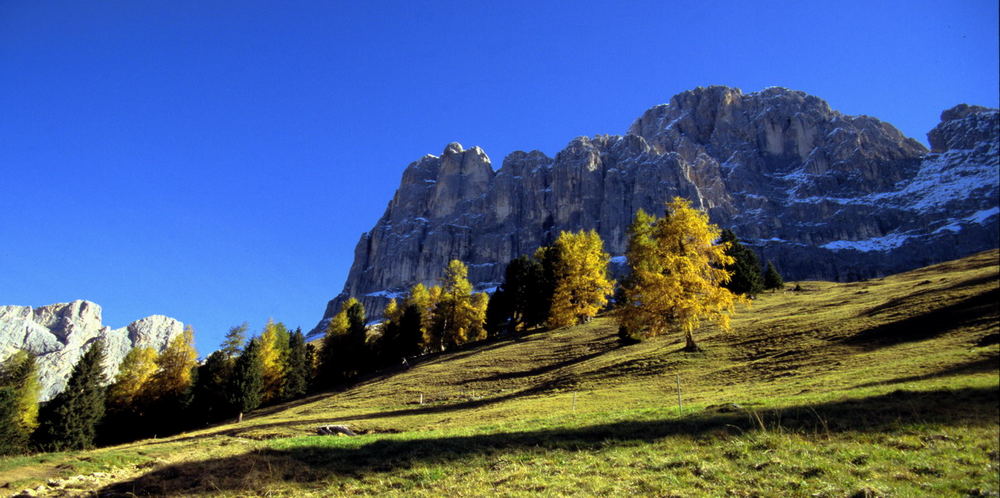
x,y
59,334
822,194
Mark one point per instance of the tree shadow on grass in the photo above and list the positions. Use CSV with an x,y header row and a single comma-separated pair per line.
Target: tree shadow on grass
x,y
986,363
238,431
532,372
981,309
326,460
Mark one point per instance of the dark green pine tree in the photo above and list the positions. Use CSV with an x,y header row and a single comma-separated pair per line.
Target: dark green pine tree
x,y
498,313
548,257
331,360
70,420
311,363
13,439
746,278
247,382
389,349
526,280
235,339
772,279
211,402
299,367
411,338
358,358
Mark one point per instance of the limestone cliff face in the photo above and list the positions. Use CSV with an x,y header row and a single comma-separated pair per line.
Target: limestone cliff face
x,y
822,194
59,334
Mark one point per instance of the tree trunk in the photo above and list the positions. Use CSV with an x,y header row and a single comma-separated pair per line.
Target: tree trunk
x,y
691,345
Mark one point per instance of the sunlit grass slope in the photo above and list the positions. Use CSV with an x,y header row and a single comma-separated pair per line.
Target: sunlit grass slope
x,y
885,387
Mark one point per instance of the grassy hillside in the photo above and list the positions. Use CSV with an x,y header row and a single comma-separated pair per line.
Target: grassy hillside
x,y
885,387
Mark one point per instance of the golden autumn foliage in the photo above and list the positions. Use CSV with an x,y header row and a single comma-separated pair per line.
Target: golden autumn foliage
x,y
676,274
392,312
426,299
582,285
432,336
134,373
459,315
20,373
273,349
338,324
174,365
477,331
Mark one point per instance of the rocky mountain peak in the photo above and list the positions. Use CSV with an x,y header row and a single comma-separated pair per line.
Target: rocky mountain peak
x,y
964,127
59,334
823,194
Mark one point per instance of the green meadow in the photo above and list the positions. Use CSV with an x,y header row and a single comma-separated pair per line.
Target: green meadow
x,y
887,387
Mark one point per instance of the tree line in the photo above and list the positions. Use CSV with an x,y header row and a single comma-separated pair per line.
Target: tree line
x,y
682,271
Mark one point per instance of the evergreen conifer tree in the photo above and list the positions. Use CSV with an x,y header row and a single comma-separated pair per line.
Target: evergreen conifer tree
x,y
234,340
312,360
745,277
389,349
246,384
358,358
13,439
331,354
519,300
540,308
211,385
772,279
70,420
498,313
297,377
410,330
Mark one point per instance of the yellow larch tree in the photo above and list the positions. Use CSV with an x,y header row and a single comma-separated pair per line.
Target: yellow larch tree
x,y
392,312
19,372
338,324
582,284
132,382
453,313
422,298
273,349
477,316
174,366
676,275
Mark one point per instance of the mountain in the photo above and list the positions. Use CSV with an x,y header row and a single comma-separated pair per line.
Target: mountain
x,y
59,334
822,194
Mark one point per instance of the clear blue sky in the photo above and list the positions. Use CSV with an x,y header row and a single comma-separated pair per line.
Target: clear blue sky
x,y
217,161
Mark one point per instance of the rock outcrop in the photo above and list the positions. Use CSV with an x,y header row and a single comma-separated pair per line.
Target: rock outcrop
x,y
822,194
59,334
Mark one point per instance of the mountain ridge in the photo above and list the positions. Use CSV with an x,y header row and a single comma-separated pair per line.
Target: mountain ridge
x,y
823,194
58,335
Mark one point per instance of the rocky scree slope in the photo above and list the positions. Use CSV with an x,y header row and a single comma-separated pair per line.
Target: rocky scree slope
x,y
59,334
822,194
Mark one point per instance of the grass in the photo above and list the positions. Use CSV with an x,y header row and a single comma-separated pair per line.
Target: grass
x,y
884,387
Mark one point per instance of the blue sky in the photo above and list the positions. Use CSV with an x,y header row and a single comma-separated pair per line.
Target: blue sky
x,y
217,161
